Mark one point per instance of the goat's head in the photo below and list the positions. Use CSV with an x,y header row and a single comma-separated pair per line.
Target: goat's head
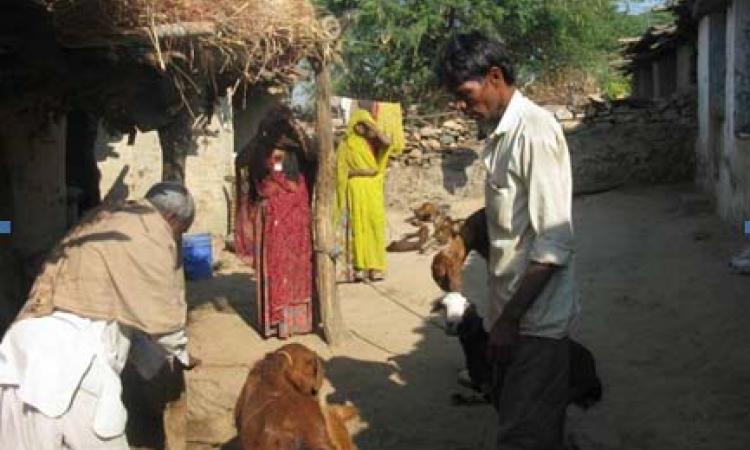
x,y
454,305
425,212
447,265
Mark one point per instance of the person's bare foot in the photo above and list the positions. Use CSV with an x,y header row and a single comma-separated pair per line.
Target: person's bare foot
x,y
376,275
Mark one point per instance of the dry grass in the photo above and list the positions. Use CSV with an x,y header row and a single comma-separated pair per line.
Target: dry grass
x,y
250,41
564,88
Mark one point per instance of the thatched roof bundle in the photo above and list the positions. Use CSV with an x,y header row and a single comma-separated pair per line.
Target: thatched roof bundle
x,y
136,62
250,38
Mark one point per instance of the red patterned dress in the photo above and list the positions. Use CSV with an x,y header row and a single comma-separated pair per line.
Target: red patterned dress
x,y
273,234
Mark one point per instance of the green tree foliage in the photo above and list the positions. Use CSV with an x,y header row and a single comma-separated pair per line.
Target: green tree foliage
x,y
392,46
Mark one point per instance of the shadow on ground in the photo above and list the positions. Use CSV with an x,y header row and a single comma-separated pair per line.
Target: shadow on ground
x,y
232,293
397,398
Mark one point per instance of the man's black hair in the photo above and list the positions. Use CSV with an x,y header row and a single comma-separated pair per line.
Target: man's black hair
x,y
470,56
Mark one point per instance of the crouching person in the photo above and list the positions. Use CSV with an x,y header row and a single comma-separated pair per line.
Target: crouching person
x,y
114,286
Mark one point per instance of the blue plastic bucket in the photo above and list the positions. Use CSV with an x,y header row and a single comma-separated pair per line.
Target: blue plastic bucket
x,y
197,256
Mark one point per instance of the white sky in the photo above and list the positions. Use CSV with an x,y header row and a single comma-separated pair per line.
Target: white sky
x,y
639,6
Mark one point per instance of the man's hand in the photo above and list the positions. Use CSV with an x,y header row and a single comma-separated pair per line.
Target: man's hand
x,y
504,334
365,130
502,340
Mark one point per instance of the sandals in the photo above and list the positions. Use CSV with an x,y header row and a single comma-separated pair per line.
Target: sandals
x,y
368,275
359,276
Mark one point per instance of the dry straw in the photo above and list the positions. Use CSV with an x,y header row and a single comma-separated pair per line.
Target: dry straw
x,y
247,41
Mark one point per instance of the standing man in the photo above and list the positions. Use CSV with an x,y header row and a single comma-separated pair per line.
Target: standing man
x,y
112,290
533,298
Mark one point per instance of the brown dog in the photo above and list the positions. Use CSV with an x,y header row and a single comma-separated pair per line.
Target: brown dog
x,y
279,407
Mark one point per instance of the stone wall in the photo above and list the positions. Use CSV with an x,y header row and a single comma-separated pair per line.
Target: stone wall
x,y
628,141
449,175
438,164
611,144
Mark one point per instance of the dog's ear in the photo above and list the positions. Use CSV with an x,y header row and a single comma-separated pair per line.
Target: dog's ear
x,y
306,372
437,305
274,367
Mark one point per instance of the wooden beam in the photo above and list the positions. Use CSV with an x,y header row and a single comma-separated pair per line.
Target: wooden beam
x,y
325,190
144,36
183,29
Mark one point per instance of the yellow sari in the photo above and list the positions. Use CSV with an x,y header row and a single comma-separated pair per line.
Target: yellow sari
x,y
360,205
390,122
360,198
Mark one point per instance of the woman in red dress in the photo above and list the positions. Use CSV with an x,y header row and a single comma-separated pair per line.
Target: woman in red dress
x,y
273,225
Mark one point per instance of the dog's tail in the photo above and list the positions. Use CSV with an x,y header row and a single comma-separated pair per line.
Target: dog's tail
x,y
344,412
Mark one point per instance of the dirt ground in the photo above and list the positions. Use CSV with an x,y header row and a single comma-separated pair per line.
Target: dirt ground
x,y
665,318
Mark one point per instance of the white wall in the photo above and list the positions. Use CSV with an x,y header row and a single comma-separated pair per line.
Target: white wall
x,y
209,171
733,191
711,73
34,157
33,194
206,173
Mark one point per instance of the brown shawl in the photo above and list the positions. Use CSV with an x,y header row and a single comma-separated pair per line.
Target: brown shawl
x,y
122,264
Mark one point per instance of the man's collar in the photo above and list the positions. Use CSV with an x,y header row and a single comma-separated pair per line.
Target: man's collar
x,y
510,116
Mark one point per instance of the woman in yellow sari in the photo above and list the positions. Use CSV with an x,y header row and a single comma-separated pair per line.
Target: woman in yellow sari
x,y
362,158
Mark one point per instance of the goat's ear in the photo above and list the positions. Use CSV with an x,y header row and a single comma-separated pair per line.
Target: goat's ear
x,y
456,226
437,305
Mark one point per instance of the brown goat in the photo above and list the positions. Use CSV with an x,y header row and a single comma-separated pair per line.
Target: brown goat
x,y
408,244
447,267
443,228
426,212
279,407
448,263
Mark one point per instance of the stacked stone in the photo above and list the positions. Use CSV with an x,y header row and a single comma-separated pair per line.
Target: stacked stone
x,y
634,141
679,108
426,144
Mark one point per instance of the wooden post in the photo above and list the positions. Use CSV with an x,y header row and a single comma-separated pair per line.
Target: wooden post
x,y
176,141
325,190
